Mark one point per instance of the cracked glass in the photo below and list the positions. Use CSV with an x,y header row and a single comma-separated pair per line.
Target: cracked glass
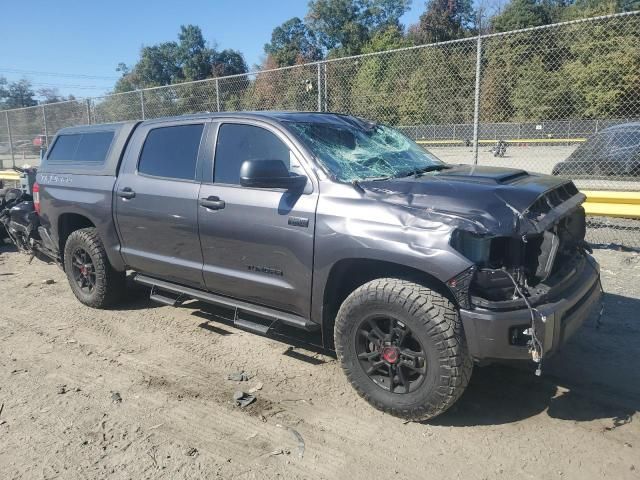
x,y
371,152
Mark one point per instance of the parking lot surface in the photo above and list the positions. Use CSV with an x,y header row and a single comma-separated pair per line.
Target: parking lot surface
x,y
142,391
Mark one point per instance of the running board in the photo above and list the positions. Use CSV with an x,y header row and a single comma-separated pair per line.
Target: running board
x,y
159,298
269,314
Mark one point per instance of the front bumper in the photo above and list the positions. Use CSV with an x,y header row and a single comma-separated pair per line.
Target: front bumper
x,y
488,332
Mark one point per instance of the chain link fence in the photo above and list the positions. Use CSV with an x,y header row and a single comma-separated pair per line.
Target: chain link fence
x,y
560,99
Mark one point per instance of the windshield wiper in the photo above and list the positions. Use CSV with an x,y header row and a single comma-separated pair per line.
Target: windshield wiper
x,y
421,171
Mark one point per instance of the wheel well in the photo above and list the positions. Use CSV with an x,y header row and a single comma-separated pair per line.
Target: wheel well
x,y
347,275
67,224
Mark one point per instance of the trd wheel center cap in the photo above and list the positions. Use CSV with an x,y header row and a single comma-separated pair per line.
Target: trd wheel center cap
x,y
390,354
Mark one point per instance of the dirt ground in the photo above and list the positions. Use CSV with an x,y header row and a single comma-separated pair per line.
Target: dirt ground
x,y
142,392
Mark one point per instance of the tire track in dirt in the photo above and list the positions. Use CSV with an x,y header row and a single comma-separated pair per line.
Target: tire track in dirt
x,y
172,378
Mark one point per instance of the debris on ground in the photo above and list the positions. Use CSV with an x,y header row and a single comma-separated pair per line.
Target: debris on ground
x,y
48,281
298,437
62,389
116,397
243,399
300,441
279,451
191,452
256,387
241,376
27,285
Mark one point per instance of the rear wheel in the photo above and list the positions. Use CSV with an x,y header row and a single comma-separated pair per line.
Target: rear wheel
x,y
92,278
402,348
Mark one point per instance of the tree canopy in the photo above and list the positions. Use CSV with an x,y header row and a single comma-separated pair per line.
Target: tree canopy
x,y
174,62
16,94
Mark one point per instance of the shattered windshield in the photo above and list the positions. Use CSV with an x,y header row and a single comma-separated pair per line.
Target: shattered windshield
x,y
352,151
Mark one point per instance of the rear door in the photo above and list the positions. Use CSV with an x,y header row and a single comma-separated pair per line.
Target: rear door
x,y
257,243
156,201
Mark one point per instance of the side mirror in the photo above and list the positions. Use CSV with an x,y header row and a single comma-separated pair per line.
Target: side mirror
x,y
269,174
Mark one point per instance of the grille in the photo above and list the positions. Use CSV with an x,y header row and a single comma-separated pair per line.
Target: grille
x,y
550,200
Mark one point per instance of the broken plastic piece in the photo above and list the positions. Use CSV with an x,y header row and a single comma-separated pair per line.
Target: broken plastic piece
x,y
238,376
243,399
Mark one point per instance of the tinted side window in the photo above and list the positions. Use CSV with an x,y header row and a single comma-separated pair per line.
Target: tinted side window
x,y
237,143
171,152
81,147
628,138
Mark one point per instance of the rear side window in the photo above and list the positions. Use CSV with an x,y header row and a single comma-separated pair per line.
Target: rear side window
x,y
81,147
171,152
237,143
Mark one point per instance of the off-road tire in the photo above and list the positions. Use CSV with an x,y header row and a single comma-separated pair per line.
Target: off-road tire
x,y
435,323
109,283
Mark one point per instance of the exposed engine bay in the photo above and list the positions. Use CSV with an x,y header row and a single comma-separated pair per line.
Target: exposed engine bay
x,y
519,271
530,260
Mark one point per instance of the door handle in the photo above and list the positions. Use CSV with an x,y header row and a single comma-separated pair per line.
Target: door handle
x,y
126,192
212,203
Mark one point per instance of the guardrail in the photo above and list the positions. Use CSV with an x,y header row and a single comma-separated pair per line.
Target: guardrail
x,y
9,175
612,204
518,141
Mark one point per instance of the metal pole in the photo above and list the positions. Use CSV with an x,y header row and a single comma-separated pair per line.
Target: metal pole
x,y
13,158
142,104
319,91
325,87
217,94
44,124
476,110
88,111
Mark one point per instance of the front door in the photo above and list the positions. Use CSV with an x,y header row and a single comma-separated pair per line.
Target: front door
x,y
157,202
257,243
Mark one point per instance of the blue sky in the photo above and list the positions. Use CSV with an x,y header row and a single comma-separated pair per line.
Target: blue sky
x,y
91,37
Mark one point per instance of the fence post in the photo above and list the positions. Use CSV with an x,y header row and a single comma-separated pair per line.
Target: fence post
x,y
476,108
142,104
88,102
13,158
319,91
325,86
44,124
217,94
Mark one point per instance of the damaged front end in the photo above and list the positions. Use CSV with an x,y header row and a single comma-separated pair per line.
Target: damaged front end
x,y
527,292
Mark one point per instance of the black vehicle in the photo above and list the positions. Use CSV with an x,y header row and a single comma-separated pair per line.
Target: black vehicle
x,y
409,268
612,152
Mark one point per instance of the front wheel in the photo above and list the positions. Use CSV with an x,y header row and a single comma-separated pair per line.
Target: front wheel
x,y
92,278
402,348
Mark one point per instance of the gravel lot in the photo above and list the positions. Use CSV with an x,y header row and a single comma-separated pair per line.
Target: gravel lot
x,y
142,392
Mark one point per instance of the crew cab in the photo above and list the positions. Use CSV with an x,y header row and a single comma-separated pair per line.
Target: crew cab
x,y
411,269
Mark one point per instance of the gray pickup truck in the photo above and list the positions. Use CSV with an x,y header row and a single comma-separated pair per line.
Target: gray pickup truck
x,y
409,268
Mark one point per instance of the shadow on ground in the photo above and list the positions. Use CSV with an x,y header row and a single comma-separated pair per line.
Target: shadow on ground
x,y
595,376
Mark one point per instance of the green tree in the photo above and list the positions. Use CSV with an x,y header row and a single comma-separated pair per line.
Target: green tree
x,y
174,62
192,55
444,20
17,94
228,62
388,39
591,8
343,27
292,43
522,14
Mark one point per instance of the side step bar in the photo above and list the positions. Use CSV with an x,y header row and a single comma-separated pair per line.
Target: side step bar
x,y
163,299
267,313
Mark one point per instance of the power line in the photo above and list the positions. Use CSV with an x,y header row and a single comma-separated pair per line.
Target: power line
x,y
64,85
56,74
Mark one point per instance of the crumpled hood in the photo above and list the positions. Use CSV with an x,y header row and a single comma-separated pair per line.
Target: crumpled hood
x,y
484,200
